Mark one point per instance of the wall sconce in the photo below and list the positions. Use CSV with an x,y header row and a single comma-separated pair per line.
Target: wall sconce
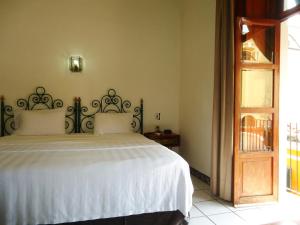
x,y
75,64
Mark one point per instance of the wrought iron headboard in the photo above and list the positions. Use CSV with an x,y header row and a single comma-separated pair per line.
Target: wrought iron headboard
x,y
78,118
110,102
40,99
6,118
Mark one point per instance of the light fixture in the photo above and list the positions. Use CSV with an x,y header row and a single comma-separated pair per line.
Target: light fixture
x,y
75,64
245,29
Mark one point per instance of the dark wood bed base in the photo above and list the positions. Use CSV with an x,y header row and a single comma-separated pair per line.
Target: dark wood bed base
x,y
158,218
79,119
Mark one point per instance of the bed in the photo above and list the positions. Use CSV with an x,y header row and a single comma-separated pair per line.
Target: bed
x,y
114,178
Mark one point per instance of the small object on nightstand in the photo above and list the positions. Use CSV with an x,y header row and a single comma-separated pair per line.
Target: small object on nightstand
x,y
167,131
157,130
168,140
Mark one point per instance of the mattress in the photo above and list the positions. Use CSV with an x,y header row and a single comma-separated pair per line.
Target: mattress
x,y
56,179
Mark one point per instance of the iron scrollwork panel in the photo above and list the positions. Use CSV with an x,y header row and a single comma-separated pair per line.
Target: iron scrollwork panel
x,y
86,120
40,99
78,118
111,102
137,123
70,120
7,119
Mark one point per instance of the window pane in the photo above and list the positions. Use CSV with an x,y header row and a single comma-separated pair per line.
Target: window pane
x,y
256,132
257,88
288,4
258,44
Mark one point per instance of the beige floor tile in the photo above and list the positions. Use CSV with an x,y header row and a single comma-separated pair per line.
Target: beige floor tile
x,y
200,196
200,221
227,219
195,212
211,207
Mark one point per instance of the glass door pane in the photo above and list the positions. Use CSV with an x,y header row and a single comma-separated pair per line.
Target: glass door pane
x,y
257,88
256,132
258,44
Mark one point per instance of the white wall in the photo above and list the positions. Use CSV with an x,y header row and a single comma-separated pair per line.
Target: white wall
x,y
198,34
132,46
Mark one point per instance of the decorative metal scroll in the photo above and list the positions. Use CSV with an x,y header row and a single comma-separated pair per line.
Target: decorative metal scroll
x,y
110,102
7,123
78,118
40,99
70,120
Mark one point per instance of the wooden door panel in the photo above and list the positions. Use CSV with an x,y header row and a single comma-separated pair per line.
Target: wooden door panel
x,y
256,111
256,177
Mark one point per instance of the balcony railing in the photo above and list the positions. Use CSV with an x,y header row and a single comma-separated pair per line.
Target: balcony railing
x,y
256,134
293,158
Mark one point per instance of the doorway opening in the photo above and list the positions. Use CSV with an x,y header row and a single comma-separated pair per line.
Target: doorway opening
x,y
289,110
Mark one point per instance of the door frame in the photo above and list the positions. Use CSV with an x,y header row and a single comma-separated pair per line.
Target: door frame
x,y
237,199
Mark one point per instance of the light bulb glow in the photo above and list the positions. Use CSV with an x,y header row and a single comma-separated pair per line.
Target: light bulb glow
x,y
75,64
245,29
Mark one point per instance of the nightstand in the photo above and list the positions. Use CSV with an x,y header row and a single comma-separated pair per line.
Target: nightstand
x,y
168,140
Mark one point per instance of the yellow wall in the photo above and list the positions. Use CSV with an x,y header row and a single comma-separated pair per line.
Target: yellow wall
x,y
130,45
196,96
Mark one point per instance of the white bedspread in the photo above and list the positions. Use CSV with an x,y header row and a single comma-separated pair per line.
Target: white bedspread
x,y
69,178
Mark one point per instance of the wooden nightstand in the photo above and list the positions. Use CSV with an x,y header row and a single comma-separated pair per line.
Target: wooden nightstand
x,y
168,140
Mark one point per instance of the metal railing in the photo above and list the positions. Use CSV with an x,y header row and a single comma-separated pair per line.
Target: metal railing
x,y
256,135
293,158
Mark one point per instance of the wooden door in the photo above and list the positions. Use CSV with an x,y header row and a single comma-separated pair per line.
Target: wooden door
x,y
256,111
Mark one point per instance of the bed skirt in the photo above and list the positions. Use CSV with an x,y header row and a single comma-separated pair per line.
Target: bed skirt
x,y
159,218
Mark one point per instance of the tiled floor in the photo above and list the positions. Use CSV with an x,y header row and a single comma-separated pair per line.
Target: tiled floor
x,y
209,210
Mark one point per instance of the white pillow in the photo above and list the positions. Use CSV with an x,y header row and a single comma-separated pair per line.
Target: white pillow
x,y
109,123
40,122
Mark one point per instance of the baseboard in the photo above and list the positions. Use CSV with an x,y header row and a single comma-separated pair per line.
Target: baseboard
x,y
201,176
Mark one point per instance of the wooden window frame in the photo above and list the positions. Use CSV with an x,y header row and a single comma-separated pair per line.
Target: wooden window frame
x,y
285,14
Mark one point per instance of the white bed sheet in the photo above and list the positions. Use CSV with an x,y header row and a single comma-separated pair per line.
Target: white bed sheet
x,y
56,179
